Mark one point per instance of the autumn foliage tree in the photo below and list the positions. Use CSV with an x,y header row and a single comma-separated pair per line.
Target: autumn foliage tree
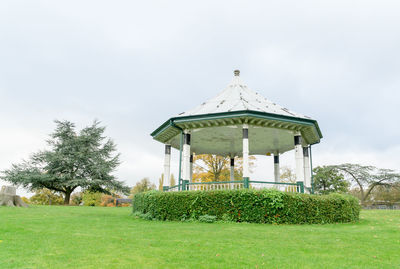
x,y
144,185
161,182
287,174
46,197
172,180
209,167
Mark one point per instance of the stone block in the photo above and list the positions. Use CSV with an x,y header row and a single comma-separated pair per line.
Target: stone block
x,y
9,190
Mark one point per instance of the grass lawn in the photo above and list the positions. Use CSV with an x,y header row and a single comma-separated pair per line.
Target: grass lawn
x,y
100,237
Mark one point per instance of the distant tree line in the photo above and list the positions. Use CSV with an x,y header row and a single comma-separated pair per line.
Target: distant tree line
x,y
87,198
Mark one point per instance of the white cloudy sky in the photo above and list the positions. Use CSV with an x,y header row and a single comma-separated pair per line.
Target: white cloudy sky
x,y
134,64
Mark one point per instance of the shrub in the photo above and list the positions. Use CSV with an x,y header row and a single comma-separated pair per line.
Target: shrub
x,y
226,217
100,199
246,205
107,200
146,216
91,198
46,197
207,218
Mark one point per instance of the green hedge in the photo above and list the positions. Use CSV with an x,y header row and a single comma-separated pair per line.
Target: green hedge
x,y
260,206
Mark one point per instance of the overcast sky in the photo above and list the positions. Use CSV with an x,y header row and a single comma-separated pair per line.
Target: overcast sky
x,y
134,64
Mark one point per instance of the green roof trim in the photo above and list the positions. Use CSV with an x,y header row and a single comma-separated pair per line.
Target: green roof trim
x,y
235,114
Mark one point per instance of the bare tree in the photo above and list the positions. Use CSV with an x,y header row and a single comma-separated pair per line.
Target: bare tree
x,y
368,177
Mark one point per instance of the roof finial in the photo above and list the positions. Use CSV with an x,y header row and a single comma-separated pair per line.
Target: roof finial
x,y
236,73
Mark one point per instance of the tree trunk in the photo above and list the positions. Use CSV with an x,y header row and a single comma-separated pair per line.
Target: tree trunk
x,y
365,195
363,200
18,202
67,197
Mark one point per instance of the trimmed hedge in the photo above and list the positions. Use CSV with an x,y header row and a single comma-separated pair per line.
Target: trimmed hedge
x,y
260,206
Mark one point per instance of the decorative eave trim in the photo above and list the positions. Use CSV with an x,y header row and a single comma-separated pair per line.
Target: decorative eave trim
x,y
176,121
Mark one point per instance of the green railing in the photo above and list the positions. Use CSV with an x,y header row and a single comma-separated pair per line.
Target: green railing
x,y
282,186
216,185
237,184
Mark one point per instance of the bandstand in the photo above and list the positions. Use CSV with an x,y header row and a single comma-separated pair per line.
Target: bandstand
x,y
239,122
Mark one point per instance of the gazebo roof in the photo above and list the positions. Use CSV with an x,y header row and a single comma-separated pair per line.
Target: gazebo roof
x,y
238,97
216,124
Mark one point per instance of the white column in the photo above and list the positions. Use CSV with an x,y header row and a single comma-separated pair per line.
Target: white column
x,y
167,166
186,156
246,171
307,171
232,178
299,158
276,168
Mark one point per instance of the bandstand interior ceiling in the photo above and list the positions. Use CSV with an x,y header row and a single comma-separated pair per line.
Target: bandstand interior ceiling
x,y
227,140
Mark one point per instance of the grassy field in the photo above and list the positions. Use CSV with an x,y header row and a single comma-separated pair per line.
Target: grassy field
x,y
98,237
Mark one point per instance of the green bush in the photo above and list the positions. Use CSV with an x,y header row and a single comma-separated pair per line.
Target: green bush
x,y
260,206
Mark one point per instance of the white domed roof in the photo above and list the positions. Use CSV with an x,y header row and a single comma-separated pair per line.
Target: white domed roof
x,y
238,97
